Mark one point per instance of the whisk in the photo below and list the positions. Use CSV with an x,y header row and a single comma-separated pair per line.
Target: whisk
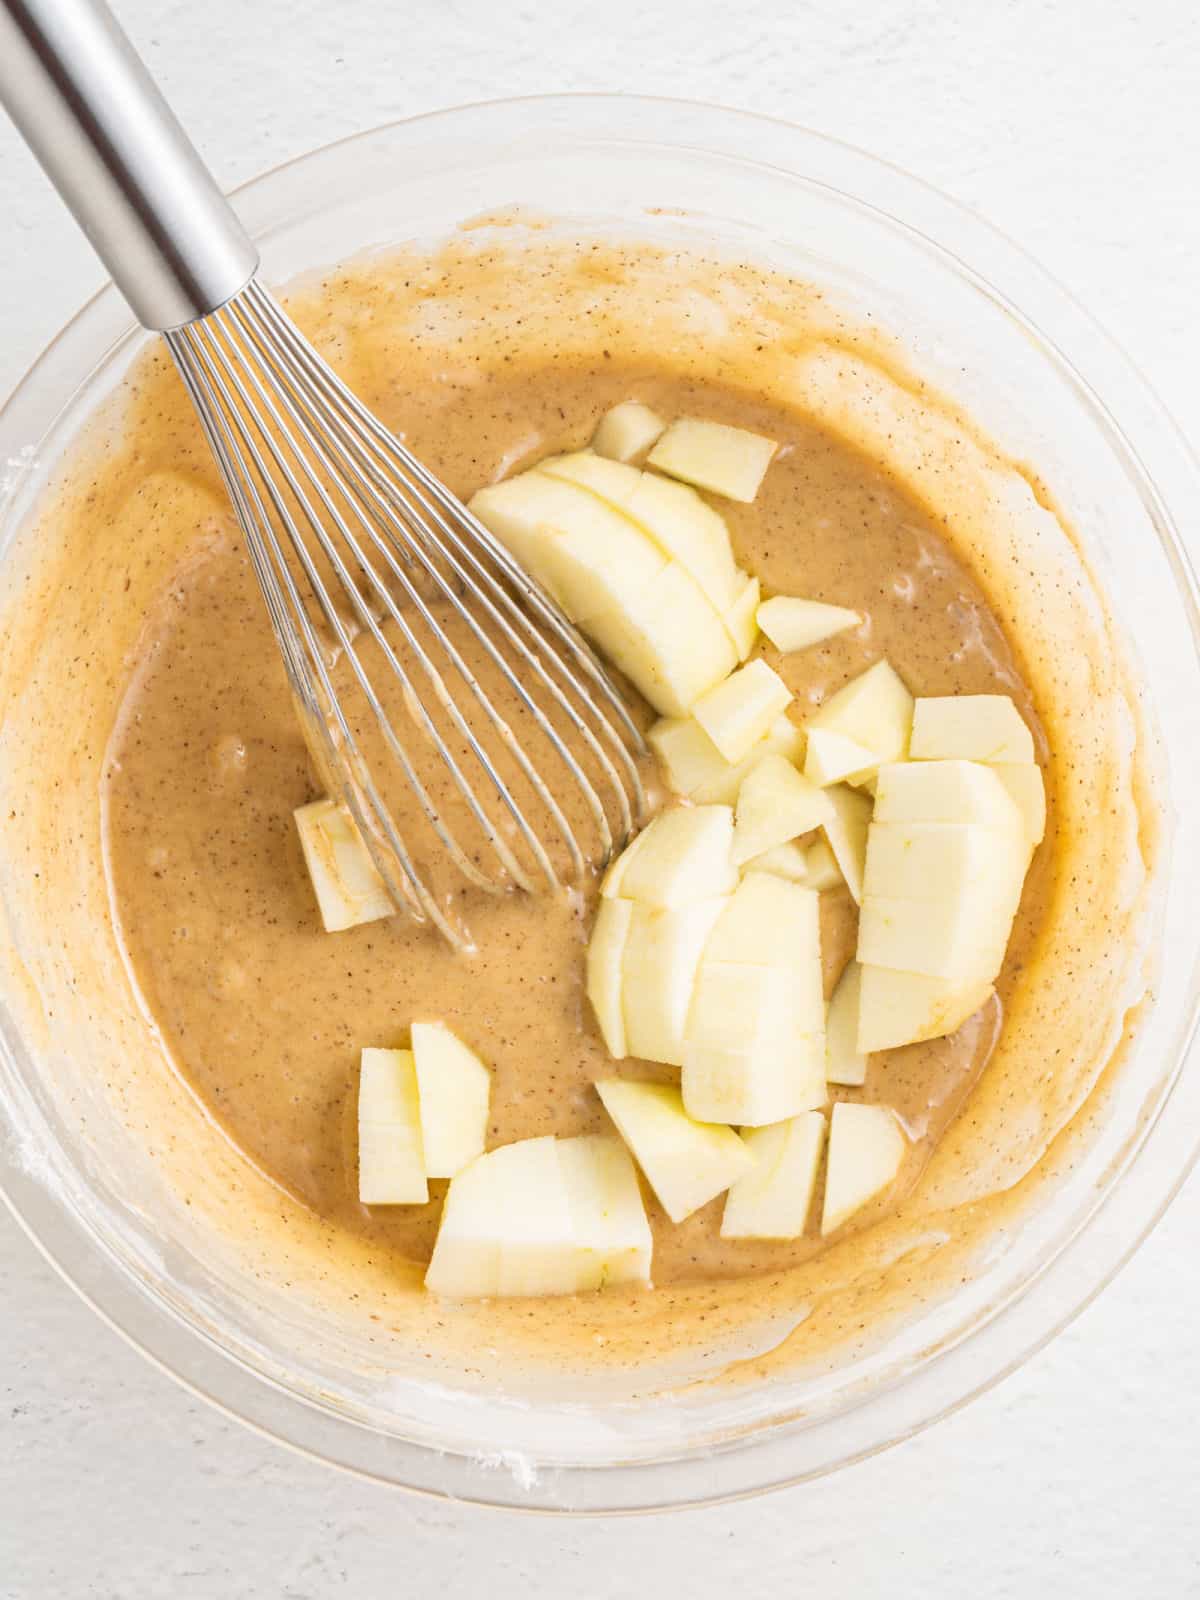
x,y
414,644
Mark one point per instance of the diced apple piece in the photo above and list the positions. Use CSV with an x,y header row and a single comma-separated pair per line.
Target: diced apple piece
x,y
348,888
831,758
738,712
626,430
605,964
514,513
684,854
688,756
969,727
791,623
687,1163
661,958
776,803
667,640
607,1214
963,937
747,1058
587,555
943,791
769,922
391,1161
783,738
680,525
774,1200
453,1088
899,1008
712,455
788,861
1027,790
821,868
592,573
866,1150
611,480
846,832
942,860
873,710
688,530
507,1227
740,619
844,1062
696,768
542,1217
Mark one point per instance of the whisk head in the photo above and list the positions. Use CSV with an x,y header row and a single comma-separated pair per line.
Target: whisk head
x,y
448,703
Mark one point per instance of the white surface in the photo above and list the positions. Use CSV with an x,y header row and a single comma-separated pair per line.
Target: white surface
x,y
1073,125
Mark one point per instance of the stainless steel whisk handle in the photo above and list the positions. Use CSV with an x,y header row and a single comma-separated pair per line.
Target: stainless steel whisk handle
x,y
93,116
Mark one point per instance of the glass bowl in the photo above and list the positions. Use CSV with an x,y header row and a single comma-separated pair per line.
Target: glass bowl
x,y
1034,370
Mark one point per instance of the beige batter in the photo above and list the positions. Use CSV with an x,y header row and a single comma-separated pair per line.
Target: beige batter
x,y
264,1012
486,357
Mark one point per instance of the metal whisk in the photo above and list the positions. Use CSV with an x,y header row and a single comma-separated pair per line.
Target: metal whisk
x,y
414,644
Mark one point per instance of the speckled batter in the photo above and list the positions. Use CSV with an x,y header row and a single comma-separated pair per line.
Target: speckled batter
x,y
265,1013
199,1034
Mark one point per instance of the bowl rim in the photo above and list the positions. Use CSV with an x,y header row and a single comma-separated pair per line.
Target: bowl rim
x,y
204,1366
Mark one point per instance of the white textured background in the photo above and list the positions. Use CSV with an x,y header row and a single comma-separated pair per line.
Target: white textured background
x,y
1076,127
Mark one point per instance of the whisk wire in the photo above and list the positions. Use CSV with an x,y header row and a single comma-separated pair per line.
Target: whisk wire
x,y
484,586
324,492
289,620
336,624
436,679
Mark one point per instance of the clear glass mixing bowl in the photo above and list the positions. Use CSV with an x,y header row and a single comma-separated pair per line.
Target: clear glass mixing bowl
x,y
1035,371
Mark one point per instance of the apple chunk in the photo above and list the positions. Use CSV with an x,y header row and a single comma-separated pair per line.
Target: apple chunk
x,y
774,1200
741,619
943,791
788,861
846,833
605,963
941,894
667,639
899,1008
962,937
607,1214
776,803
866,1149
582,550
1027,790
791,623
830,757
684,854
454,1088
626,430
690,532
713,455
348,888
969,727
542,1217
391,1160
688,756
695,767
845,1063
941,860
687,1163
658,972
821,870
751,1055
506,1227
676,521
738,712
611,480
873,710
769,922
